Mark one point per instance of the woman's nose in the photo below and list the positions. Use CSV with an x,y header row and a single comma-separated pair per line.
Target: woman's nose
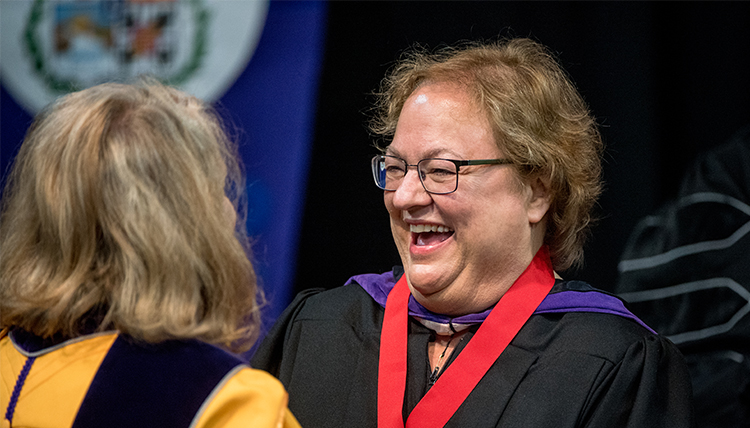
x,y
410,192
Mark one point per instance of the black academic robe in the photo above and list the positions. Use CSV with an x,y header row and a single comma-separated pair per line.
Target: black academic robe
x,y
570,369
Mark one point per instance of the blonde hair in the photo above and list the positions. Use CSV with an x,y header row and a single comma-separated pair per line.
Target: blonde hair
x,y
539,119
113,211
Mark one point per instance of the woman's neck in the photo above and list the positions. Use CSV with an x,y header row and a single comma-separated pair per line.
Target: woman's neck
x,y
440,350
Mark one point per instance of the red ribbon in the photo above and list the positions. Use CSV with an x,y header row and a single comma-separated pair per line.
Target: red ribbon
x,y
460,378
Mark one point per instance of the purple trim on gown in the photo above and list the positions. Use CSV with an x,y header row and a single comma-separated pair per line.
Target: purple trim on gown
x,y
588,299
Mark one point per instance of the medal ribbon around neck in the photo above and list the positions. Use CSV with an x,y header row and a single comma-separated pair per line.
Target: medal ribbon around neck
x,y
460,378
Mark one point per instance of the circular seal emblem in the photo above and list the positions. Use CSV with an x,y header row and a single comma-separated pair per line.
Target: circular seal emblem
x,y
52,47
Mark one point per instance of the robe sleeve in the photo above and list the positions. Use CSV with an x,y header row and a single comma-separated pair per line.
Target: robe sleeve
x,y
649,387
275,345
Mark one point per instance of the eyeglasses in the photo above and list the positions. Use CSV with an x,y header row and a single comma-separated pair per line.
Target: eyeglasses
x,y
438,176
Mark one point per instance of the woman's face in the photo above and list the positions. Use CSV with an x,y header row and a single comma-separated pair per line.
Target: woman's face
x,y
494,222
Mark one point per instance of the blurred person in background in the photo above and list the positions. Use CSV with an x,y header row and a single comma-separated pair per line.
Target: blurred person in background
x,y
686,272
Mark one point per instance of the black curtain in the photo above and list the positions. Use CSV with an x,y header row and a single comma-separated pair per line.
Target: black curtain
x,y
666,81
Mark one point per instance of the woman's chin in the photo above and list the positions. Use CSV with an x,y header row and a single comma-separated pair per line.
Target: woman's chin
x,y
425,280
429,289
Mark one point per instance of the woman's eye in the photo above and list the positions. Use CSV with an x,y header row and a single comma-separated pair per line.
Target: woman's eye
x,y
394,169
438,172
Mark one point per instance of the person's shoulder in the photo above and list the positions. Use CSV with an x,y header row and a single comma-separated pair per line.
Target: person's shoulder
x,y
252,379
346,300
589,309
247,397
578,317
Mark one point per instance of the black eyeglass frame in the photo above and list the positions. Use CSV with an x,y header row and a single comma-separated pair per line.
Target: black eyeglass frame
x,y
459,163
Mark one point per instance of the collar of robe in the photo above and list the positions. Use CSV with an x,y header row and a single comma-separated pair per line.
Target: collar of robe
x,y
459,379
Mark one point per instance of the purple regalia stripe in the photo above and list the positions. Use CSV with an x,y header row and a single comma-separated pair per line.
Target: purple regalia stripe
x,y
379,285
586,301
17,389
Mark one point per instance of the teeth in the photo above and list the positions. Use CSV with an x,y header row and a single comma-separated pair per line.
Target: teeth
x,y
420,228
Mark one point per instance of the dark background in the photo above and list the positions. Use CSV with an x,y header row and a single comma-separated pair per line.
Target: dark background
x,y
666,80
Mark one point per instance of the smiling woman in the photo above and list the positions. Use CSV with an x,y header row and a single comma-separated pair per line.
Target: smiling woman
x,y
490,167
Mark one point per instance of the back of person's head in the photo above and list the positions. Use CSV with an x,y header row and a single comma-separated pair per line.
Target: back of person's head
x,y
539,119
116,213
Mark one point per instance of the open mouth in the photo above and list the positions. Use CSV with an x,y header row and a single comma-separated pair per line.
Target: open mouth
x,y
429,234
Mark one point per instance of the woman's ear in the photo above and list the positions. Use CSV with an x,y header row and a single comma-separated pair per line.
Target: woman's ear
x,y
540,199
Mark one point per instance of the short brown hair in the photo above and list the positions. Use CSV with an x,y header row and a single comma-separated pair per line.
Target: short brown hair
x,y
539,119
